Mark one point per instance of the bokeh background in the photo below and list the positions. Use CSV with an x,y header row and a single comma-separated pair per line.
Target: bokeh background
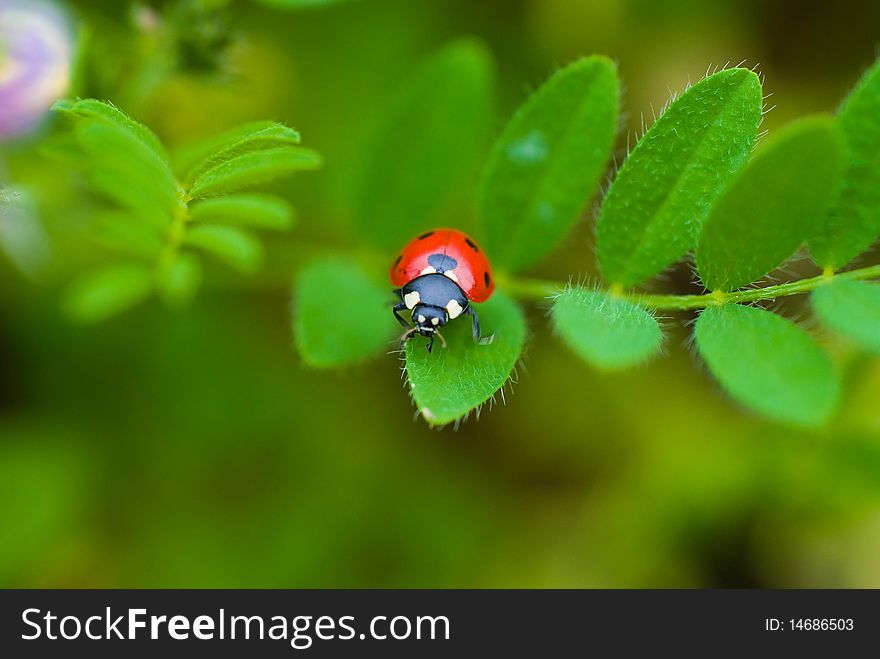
x,y
193,448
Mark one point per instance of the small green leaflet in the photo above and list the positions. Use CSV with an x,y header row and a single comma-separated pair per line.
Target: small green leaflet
x,y
607,332
127,233
235,247
258,211
855,220
252,168
775,203
852,309
422,158
90,108
768,363
654,209
122,159
197,158
178,282
107,292
450,382
328,335
546,164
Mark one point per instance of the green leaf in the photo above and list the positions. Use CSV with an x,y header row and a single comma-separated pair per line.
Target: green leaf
x,y
117,151
126,233
547,162
178,282
423,154
450,382
242,139
122,168
325,336
107,292
855,219
768,364
253,168
118,146
660,197
852,309
235,247
608,332
259,211
90,108
775,203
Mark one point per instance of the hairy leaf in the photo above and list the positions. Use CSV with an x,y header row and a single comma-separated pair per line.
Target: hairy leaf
x,y
447,384
122,168
107,292
253,168
233,246
607,332
259,211
90,108
254,136
328,335
855,219
653,211
546,164
776,202
768,363
852,309
178,282
423,154
122,158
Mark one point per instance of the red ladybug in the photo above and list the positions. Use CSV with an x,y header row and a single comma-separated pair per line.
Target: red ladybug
x,y
439,274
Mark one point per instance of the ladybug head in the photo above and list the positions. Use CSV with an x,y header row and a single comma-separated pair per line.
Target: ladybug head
x,y
428,319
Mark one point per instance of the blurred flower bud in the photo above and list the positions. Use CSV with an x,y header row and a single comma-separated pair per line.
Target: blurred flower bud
x,y
36,51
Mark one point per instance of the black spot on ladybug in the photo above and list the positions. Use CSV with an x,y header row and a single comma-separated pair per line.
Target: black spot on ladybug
x,y
426,234
472,244
442,263
397,260
487,279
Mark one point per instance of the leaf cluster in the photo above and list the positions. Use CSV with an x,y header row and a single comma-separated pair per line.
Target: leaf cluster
x,y
695,186
165,213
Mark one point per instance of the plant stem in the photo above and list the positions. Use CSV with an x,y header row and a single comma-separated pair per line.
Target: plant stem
x,y
536,289
175,236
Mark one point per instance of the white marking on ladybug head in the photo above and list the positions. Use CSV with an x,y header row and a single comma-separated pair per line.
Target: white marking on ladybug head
x,y
454,309
435,320
411,299
451,274
430,270
421,318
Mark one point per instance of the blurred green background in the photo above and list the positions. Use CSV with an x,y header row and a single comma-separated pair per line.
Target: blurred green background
x,y
193,448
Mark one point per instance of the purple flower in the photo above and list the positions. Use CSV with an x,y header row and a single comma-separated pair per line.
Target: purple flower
x,y
36,50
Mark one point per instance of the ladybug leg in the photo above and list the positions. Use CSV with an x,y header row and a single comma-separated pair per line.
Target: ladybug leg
x,y
396,309
478,338
431,343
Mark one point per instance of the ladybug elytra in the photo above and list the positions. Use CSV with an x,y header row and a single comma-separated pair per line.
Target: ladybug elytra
x,y
439,274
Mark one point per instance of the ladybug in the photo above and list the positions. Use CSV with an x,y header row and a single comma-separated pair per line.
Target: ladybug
x,y
439,274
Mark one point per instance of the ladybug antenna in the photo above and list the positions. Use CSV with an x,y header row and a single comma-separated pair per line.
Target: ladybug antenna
x,y
408,334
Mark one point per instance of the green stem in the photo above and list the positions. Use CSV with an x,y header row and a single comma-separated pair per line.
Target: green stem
x,y
535,289
175,236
